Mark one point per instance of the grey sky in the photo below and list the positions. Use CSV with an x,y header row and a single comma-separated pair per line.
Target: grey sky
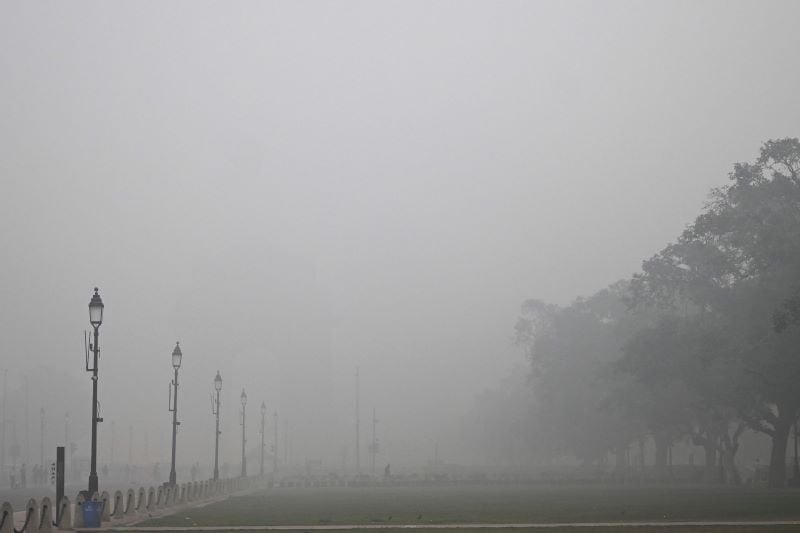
x,y
294,189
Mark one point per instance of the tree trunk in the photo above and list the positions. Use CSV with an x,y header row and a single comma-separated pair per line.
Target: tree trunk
x,y
730,445
777,458
621,463
710,473
641,460
732,476
662,447
619,458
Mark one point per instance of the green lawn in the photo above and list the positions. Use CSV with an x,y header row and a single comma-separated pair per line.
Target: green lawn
x,y
479,504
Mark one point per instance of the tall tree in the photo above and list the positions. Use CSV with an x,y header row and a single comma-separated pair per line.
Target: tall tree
x,y
740,260
569,348
684,364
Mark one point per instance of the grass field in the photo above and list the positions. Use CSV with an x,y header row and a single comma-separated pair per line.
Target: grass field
x,y
491,505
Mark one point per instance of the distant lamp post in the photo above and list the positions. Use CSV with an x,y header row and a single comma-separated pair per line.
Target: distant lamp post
x,y
177,355
275,443
41,412
263,413
244,440
215,411
796,481
95,319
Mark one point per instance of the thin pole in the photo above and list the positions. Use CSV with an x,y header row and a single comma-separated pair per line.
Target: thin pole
x,y
244,457
796,464
130,453
275,443
3,428
262,443
285,441
216,444
358,426
27,419
93,485
374,447
66,441
173,477
41,443
60,472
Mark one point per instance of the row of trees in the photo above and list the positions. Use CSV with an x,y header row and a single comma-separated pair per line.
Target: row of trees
x,y
703,344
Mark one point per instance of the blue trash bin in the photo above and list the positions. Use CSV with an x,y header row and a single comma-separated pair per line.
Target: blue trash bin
x,y
92,513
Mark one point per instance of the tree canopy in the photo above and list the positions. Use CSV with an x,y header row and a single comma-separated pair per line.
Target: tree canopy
x,y
702,343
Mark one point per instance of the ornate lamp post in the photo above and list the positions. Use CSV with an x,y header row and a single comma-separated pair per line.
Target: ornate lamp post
x,y
177,355
215,411
95,319
263,412
244,440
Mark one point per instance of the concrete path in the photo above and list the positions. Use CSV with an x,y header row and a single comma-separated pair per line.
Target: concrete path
x,y
540,525
129,521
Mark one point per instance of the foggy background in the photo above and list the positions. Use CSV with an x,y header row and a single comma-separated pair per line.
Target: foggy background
x,y
297,189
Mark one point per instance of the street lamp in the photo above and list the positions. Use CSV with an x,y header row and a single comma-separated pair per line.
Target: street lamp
x,y
177,355
795,482
41,412
95,319
275,443
244,440
215,411
263,412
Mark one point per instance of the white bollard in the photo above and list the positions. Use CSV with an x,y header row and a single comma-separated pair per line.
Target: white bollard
x,y
151,499
130,508
46,520
141,503
118,505
31,517
65,514
77,520
6,518
106,499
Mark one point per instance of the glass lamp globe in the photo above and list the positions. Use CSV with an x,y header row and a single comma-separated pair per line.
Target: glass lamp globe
x,y
96,309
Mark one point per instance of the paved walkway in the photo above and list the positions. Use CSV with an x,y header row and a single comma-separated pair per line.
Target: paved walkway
x,y
540,525
127,523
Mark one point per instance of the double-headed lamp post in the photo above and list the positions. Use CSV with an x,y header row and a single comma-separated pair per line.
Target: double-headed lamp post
x,y
215,411
263,413
177,355
244,440
95,319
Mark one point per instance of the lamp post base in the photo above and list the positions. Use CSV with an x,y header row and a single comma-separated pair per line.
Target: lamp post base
x,y
93,484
